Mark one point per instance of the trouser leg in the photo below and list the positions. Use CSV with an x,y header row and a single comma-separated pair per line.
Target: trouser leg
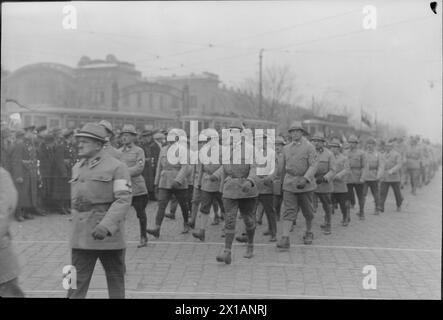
x,y
351,195
139,203
195,204
164,195
113,262
397,193
325,199
181,195
84,263
277,200
231,207
360,197
173,205
247,210
219,199
305,201
291,206
384,188
267,202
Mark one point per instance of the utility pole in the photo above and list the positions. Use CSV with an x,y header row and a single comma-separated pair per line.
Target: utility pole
x,y
260,86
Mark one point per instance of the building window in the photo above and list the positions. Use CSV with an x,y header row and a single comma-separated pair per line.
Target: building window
x,y
161,102
126,100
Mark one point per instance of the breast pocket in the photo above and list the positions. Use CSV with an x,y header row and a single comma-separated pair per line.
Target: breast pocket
x,y
100,188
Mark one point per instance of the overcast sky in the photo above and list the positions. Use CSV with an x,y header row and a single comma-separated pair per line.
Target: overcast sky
x,y
394,72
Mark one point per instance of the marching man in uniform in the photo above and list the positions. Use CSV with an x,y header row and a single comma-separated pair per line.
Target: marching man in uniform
x,y
372,173
391,176
239,193
297,168
134,157
340,189
323,178
356,158
101,198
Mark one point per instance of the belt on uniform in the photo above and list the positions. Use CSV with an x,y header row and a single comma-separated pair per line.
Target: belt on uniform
x,y
101,207
237,177
373,168
294,174
356,167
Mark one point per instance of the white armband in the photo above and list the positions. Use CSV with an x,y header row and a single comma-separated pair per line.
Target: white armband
x,y
122,185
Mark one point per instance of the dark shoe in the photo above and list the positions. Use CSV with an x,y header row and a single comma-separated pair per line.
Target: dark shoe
x,y
376,212
28,216
273,239
259,222
243,238
361,216
143,242
249,251
216,221
225,257
344,223
185,228
323,226
191,224
154,232
267,233
327,230
399,209
19,218
283,243
308,237
40,212
170,216
199,235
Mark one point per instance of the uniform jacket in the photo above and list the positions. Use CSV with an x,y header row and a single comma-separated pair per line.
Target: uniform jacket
x,y
276,181
9,267
167,173
373,169
101,194
357,163
392,162
134,157
413,157
299,161
205,171
342,173
326,169
233,176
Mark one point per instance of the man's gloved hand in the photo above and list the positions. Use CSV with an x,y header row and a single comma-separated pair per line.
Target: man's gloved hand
x,y
175,185
19,180
320,180
246,186
213,178
99,232
267,182
199,187
302,183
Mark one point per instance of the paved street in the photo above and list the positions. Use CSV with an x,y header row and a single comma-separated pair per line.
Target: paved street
x,y
404,247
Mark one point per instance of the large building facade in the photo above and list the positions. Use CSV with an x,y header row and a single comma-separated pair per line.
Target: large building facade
x,y
61,96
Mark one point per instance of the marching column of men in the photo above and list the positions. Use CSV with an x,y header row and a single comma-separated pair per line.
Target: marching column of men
x,y
99,174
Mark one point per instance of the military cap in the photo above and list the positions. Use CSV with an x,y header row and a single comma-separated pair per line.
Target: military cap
x,y
128,128
353,139
107,125
236,124
40,129
296,125
159,135
279,140
29,128
146,133
318,136
371,140
67,132
335,142
93,131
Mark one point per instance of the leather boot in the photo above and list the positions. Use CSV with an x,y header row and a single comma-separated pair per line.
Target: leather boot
x,y
19,215
308,237
283,243
154,232
185,228
199,234
243,238
143,242
249,251
224,256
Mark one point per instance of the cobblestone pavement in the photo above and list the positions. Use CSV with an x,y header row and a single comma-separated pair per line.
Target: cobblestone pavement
x,y
404,247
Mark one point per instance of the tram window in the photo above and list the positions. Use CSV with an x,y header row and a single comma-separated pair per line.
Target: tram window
x,y
54,123
40,121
